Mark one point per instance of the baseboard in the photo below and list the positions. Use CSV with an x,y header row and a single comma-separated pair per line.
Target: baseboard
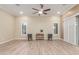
x,y
71,43
6,41
20,38
35,39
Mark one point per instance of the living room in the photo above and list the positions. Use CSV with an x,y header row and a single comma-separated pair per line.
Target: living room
x,y
39,29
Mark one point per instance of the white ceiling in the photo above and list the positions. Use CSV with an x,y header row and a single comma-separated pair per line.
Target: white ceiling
x,y
27,9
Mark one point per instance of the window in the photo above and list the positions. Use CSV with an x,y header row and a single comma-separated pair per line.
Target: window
x,y
55,28
23,28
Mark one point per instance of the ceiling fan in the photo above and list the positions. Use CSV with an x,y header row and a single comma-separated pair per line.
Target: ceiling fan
x,y
41,11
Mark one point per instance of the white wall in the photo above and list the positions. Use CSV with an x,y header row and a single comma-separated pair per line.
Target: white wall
x,y
70,29
35,23
7,27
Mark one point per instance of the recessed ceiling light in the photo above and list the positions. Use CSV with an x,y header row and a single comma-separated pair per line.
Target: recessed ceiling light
x,y
69,12
58,12
21,12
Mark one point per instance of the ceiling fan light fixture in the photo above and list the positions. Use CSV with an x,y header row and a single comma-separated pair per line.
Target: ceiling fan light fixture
x,y
40,12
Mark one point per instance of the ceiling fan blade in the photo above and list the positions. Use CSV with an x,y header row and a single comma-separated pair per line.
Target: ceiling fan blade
x,y
41,6
47,9
35,12
35,9
45,13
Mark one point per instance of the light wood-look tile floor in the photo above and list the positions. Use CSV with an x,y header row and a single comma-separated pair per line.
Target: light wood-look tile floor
x,y
38,47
